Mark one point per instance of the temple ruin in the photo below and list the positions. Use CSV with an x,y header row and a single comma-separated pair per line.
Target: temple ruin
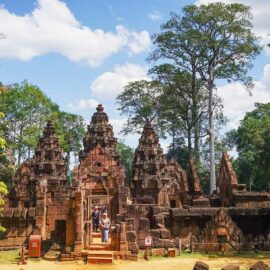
x,y
163,200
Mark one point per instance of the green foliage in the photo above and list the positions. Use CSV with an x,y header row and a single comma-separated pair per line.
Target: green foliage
x,y
71,130
140,101
212,42
252,140
3,187
126,157
26,110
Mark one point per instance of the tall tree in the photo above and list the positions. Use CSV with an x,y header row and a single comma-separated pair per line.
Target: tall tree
x,y
252,140
184,106
213,41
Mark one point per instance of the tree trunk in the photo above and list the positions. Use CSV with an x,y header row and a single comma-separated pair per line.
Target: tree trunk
x,y
195,120
189,144
211,138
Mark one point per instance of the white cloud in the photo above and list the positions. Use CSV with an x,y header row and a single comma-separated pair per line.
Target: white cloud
x,y
237,100
52,28
109,84
261,18
83,104
155,15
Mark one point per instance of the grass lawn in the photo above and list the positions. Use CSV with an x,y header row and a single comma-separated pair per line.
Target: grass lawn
x,y
9,256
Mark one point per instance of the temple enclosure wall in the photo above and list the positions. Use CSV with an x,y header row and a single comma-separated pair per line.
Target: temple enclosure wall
x,y
163,200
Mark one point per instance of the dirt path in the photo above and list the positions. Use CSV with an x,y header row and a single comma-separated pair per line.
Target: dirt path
x,y
156,264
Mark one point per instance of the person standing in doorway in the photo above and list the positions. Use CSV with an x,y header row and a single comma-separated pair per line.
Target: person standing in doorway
x,y
95,219
105,225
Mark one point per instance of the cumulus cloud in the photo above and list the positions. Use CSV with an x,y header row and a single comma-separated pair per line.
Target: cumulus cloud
x,y
83,104
52,28
155,15
237,100
110,84
261,18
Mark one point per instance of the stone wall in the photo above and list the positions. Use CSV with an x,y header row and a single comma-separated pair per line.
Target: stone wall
x,y
19,224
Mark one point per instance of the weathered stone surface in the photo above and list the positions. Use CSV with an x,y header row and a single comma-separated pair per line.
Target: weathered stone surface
x,y
165,234
131,236
155,233
200,266
260,265
158,251
133,247
144,224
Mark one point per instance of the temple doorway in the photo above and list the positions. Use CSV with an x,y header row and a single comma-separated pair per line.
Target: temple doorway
x,y
59,234
96,203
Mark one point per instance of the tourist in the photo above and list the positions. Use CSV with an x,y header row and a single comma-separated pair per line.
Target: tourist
x,y
105,224
95,219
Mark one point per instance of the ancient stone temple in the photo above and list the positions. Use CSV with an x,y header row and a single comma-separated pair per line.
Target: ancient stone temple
x,y
40,197
163,200
149,179
99,178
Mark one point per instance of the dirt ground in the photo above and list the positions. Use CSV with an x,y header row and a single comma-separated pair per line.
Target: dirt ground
x,y
179,263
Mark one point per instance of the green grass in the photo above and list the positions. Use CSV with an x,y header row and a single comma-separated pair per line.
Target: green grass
x,y
9,256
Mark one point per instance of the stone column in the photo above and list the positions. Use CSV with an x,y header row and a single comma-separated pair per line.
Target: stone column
x,y
79,221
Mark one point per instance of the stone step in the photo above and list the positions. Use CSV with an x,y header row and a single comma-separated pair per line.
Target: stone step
x,y
96,234
102,253
99,247
100,260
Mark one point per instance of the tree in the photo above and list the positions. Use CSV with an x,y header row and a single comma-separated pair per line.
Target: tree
x,y
70,129
3,187
184,107
126,157
26,110
213,41
140,101
252,140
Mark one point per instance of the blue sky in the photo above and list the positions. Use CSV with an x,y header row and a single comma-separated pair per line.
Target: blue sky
x,y
83,52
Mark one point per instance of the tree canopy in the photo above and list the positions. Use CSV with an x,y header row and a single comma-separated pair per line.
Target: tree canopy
x,y
211,42
252,140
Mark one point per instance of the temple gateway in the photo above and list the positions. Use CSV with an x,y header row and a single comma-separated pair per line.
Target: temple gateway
x,y
163,200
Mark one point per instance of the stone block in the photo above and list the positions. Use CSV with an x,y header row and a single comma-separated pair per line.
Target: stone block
x,y
9,212
158,251
17,212
142,234
133,247
31,212
155,233
40,210
144,224
52,210
165,234
129,227
131,236
260,265
167,243
172,252
158,243
159,219
200,266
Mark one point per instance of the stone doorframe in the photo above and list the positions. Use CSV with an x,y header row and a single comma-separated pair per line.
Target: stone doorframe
x,y
88,226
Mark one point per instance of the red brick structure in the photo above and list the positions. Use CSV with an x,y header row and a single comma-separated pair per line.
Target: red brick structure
x,y
163,199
